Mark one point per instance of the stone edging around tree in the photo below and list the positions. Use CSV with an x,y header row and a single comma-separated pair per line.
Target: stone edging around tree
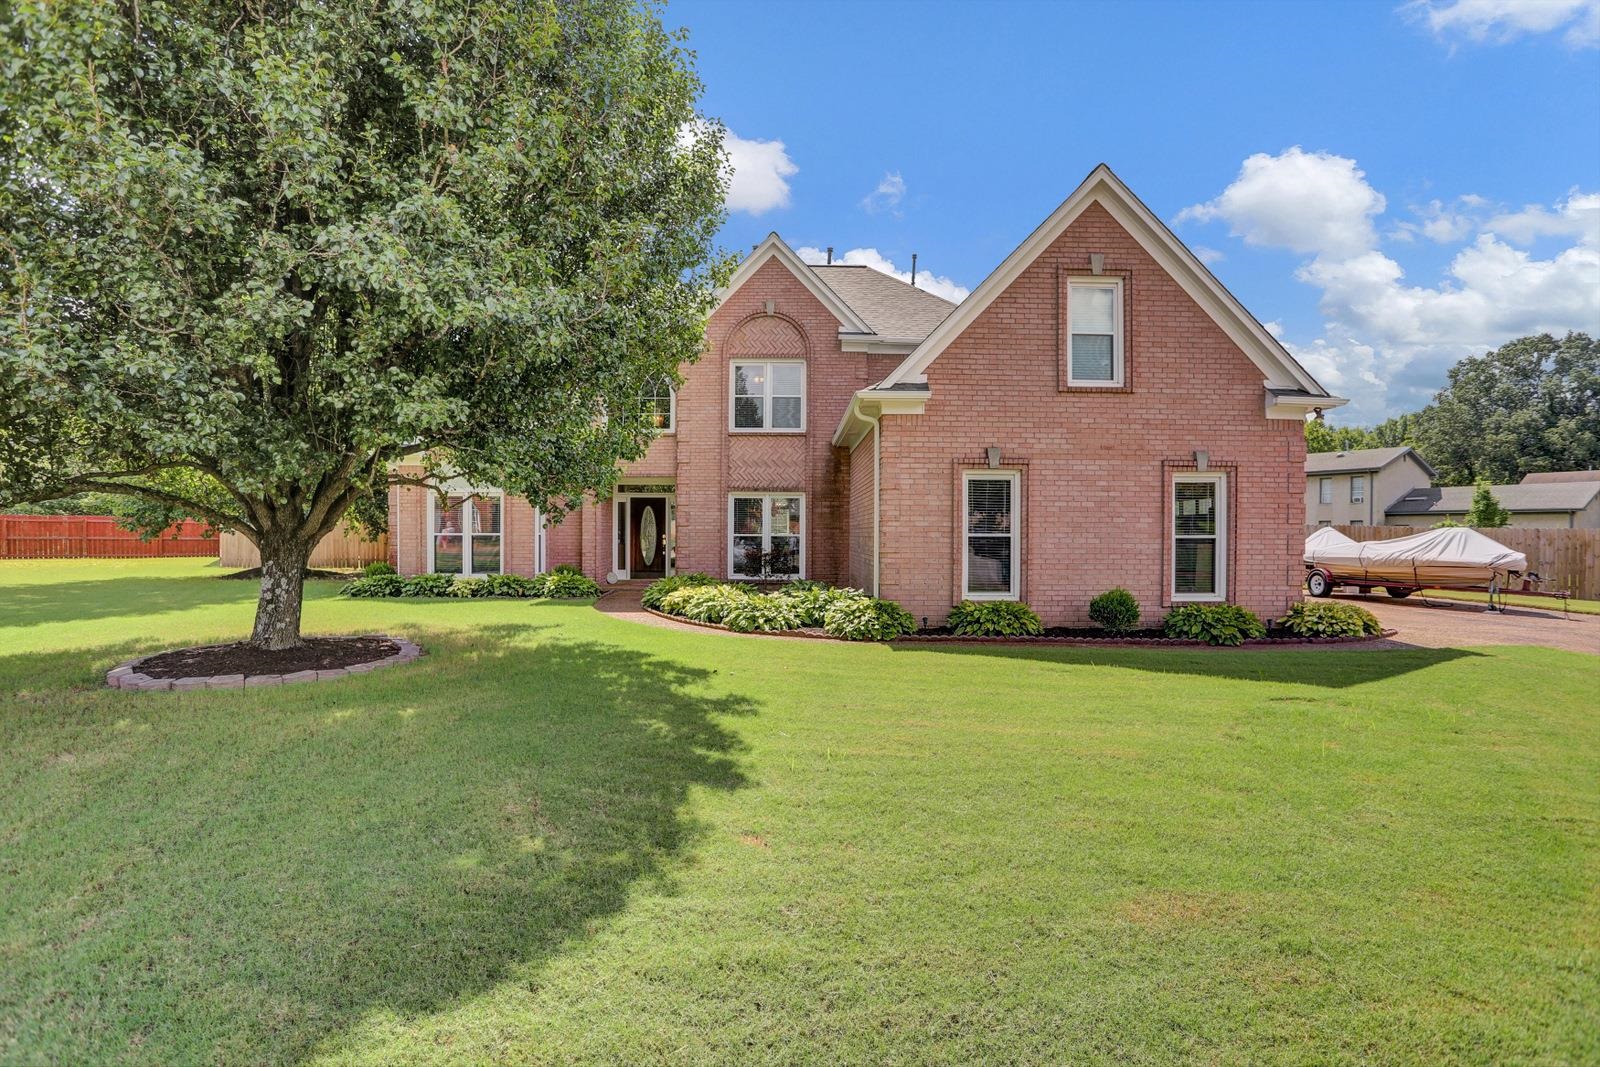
x,y
127,676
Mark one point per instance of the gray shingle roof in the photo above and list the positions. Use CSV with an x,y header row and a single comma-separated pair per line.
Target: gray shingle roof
x,y
1546,477
1539,496
891,307
1358,459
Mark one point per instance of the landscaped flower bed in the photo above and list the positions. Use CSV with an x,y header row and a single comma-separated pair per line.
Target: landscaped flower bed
x,y
814,609
562,583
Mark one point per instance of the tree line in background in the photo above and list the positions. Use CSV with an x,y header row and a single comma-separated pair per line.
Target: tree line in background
x,y
1531,405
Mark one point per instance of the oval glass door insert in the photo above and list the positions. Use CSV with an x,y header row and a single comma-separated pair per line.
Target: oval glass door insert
x,y
647,536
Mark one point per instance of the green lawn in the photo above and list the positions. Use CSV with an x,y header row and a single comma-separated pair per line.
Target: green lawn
x,y
1576,607
564,838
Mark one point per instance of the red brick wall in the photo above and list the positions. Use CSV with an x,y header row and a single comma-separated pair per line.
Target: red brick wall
x,y
1095,466
861,529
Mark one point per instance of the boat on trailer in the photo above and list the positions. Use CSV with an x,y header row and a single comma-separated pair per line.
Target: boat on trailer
x,y
1450,558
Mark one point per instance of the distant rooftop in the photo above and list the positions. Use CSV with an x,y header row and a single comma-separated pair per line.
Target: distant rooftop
x,y
1546,477
1359,459
1539,496
891,307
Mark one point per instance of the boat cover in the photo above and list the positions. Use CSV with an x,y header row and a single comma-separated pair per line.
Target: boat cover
x,y
1451,556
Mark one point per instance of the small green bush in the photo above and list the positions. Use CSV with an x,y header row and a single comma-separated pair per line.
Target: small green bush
x,y
429,585
657,590
1115,611
762,613
812,602
375,586
463,588
705,603
1215,624
372,570
995,618
802,585
567,568
861,618
1326,618
568,585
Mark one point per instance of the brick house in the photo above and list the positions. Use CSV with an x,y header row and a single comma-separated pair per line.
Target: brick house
x,y
1099,412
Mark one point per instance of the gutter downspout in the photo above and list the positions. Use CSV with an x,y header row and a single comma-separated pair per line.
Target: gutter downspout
x,y
877,482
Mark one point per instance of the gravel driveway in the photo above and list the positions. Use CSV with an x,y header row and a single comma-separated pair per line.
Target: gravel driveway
x,y
1454,624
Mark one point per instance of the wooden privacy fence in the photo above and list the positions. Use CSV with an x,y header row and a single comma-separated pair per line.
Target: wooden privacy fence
x,y
97,537
339,550
1567,559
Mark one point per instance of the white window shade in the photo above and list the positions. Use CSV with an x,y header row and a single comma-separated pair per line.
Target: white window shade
x,y
1198,539
1095,333
989,565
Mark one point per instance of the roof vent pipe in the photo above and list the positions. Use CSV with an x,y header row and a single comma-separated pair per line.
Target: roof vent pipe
x,y
913,268
830,255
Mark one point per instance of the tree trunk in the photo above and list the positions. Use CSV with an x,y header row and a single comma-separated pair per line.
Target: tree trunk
x,y
283,577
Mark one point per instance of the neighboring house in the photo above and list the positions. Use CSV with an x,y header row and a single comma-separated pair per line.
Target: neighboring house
x,y
1544,505
1545,477
1355,487
1100,412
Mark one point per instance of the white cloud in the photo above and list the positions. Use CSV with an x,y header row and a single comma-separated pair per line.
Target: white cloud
x,y
1386,343
1208,256
758,171
1498,21
1304,201
937,284
887,196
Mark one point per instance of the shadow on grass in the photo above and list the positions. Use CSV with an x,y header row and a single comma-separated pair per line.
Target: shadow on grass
x,y
80,601
267,875
1330,668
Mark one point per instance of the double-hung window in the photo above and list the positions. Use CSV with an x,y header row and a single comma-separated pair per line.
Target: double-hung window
x,y
661,405
1199,537
1358,489
1094,338
1325,491
769,396
990,523
466,534
766,535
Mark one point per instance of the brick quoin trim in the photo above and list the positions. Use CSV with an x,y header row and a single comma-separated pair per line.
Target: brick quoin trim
x,y
1095,465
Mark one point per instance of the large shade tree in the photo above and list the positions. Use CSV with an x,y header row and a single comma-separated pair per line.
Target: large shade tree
x,y
254,254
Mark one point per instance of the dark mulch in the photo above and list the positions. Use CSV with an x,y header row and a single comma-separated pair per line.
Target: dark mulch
x,y
337,576
317,654
1153,634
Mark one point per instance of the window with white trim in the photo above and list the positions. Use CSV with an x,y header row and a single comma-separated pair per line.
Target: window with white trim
x,y
1199,537
465,538
1094,336
766,535
1358,489
768,396
1325,491
661,405
989,555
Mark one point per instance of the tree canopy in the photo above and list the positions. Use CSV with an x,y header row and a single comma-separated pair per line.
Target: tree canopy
x,y
1532,404
254,255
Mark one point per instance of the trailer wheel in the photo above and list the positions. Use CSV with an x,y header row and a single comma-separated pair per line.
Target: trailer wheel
x,y
1399,592
1319,583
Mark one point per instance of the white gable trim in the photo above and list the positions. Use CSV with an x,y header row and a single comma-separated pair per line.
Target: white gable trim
x,y
775,248
1106,189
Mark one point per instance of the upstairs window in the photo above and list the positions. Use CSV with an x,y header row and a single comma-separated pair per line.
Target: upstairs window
x,y
661,406
1199,537
769,396
989,567
1358,489
466,534
1325,491
1094,338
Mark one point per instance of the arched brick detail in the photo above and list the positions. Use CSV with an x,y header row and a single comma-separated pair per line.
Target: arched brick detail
x,y
767,335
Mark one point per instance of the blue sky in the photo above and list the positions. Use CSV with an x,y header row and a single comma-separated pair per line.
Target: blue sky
x,y
1389,187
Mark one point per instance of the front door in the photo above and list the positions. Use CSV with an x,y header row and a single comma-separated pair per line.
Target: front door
x,y
647,541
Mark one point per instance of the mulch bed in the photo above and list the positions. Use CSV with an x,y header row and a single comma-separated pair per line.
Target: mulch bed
x,y
313,573
317,654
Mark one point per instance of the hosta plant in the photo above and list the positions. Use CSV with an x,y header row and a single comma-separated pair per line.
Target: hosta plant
x,y
1325,618
1215,624
865,619
995,618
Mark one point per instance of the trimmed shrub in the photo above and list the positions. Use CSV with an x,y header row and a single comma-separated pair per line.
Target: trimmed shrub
x,y
372,570
811,604
1115,611
377,585
657,590
861,618
995,618
705,603
568,585
762,613
429,585
1325,618
1215,624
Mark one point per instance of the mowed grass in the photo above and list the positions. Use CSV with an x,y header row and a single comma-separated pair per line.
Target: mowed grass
x,y
1519,600
565,838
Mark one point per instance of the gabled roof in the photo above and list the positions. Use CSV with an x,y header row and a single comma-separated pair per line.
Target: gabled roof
x,y
1538,496
1546,477
775,248
1361,459
890,306
1290,381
